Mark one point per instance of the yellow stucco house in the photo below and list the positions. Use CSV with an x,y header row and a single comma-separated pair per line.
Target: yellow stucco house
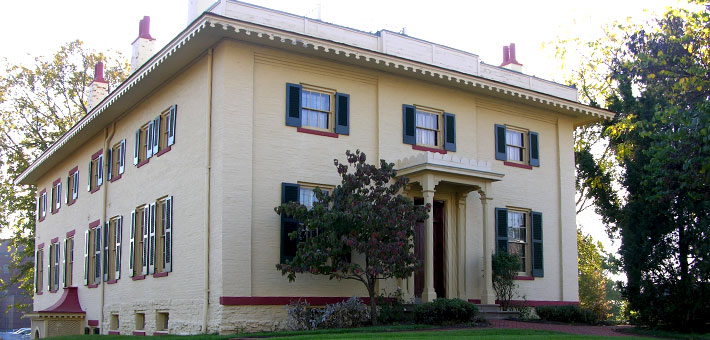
x,y
155,212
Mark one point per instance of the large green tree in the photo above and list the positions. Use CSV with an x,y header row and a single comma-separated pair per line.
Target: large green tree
x,y
592,281
40,101
365,215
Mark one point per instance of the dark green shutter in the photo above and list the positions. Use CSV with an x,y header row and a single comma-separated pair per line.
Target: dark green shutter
x,y
409,117
537,258
534,149
110,163
500,143
171,125
342,112
449,132
293,105
502,229
136,147
89,186
289,193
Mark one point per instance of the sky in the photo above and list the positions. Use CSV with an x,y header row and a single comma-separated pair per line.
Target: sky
x,y
40,27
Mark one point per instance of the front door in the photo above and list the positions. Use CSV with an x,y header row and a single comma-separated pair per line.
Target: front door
x,y
420,251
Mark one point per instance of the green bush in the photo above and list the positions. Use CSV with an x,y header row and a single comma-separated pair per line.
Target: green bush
x,y
505,268
390,307
569,313
445,311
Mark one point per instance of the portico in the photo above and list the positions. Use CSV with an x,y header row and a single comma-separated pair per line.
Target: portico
x,y
445,182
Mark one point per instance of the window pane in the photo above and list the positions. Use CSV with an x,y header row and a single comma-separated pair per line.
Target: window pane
x,y
325,102
514,153
323,120
304,98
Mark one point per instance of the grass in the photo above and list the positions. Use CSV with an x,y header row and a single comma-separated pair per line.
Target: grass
x,y
665,334
403,333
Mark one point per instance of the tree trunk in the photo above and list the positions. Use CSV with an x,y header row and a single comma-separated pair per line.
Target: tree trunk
x,y
373,302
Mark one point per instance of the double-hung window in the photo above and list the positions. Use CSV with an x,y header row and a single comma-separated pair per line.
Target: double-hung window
x,y
516,146
39,268
305,195
428,129
56,195
116,160
68,261
519,231
317,110
112,249
92,255
155,137
150,239
72,186
53,267
137,264
96,171
163,235
42,205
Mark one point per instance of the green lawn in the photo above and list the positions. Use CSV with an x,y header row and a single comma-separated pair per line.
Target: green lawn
x,y
380,333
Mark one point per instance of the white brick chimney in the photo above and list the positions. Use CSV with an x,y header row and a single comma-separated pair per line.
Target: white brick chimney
x,y
509,61
98,89
143,45
196,7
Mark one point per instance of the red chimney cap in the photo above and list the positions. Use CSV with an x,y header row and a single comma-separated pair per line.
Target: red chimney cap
x,y
144,28
509,55
99,73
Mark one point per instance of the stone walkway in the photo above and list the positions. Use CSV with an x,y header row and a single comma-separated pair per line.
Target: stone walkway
x,y
572,329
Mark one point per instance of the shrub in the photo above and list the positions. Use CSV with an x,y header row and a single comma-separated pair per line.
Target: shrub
x,y
301,316
445,311
391,307
505,268
347,314
569,313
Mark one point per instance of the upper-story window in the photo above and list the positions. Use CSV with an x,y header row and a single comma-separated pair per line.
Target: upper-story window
x,y
72,186
112,249
39,268
519,231
92,255
428,129
517,146
155,137
116,160
42,205
53,267
162,246
56,196
138,240
68,261
317,110
96,171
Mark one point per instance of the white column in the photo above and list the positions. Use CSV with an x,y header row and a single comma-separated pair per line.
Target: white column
x,y
429,294
461,246
487,293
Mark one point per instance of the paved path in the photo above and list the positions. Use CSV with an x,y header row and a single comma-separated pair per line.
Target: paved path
x,y
583,330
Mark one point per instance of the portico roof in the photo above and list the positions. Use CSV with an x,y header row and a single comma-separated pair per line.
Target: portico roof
x,y
447,168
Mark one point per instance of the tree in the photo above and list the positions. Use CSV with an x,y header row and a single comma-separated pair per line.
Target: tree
x,y
38,104
365,214
592,281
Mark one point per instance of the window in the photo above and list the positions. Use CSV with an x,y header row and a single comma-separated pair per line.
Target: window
x,y
319,109
517,147
304,194
92,255
56,196
116,160
141,151
163,235
161,321
114,322
137,264
42,205
519,231
72,186
39,268
428,129
53,267
96,171
112,249
68,261
140,321
155,137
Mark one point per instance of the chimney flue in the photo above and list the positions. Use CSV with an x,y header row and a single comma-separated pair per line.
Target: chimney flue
x,y
98,89
509,60
143,45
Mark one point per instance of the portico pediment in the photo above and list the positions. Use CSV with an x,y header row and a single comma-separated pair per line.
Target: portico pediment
x,y
446,168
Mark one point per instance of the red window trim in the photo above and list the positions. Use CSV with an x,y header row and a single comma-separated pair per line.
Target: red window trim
x,y
94,224
161,152
97,154
40,246
70,201
162,274
143,162
140,277
424,148
518,165
317,132
110,282
92,285
93,190
141,333
39,293
93,323
71,233
282,300
160,333
524,278
55,240
115,178
54,204
75,169
52,290
39,211
114,333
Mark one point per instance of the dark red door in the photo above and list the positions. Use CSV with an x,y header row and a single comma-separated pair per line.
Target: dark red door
x,y
439,265
419,251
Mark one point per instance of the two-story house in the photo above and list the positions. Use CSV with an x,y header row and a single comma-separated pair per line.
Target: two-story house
x,y
155,211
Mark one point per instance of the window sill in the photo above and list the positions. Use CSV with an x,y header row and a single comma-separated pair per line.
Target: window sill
x,y
142,333
424,148
40,246
136,278
95,285
52,291
41,219
524,278
110,282
115,178
93,190
54,240
114,333
55,211
70,202
518,165
160,274
71,233
316,132
38,293
142,163
161,333
162,152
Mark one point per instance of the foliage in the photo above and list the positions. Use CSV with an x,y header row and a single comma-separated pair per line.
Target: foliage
x,y
445,312
567,313
365,214
391,307
345,314
38,104
592,282
505,268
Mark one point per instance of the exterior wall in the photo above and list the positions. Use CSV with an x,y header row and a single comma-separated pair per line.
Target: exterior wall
x,y
12,318
178,172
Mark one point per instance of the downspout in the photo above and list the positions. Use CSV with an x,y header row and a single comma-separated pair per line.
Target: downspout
x,y
109,135
207,190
